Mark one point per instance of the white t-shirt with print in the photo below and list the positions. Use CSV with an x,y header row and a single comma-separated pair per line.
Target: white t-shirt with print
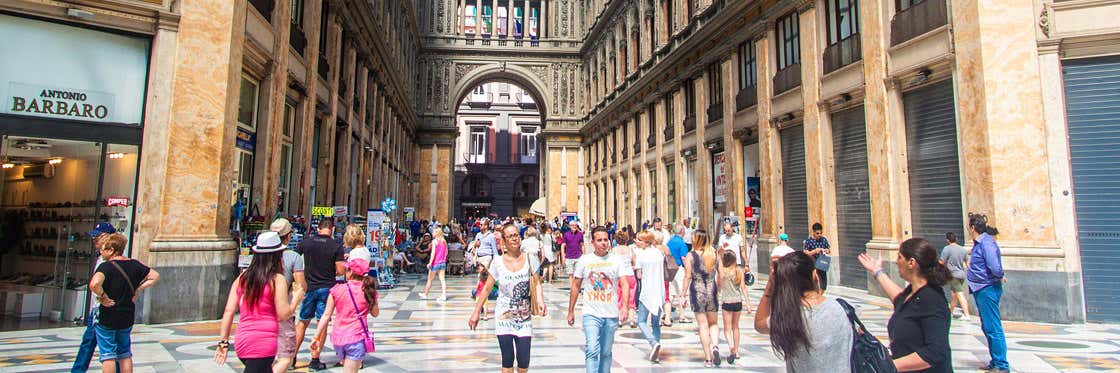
x,y
531,246
512,312
734,243
600,277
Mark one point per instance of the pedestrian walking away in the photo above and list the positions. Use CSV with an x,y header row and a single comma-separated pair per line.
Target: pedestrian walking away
x,y
515,274
782,249
679,249
599,275
701,283
293,275
624,249
919,326
260,295
955,257
731,292
649,259
985,282
816,245
89,338
437,265
117,284
348,306
807,330
324,263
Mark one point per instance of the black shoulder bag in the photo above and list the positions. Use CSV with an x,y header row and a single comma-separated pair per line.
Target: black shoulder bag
x,y
868,354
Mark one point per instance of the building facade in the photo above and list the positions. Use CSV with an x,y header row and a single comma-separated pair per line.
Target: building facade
x,y
183,122
497,152
882,120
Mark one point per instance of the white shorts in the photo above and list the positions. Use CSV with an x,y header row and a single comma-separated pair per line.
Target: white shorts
x,y
570,266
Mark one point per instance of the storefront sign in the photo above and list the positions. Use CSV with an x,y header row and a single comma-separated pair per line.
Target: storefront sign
x,y
246,140
409,213
322,211
341,211
68,72
55,102
719,176
116,201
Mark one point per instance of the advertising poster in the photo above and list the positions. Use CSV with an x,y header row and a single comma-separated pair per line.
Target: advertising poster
x,y
374,218
719,176
409,213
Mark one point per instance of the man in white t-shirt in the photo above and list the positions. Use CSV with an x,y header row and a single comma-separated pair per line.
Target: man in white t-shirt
x,y
782,249
659,227
731,241
688,233
600,275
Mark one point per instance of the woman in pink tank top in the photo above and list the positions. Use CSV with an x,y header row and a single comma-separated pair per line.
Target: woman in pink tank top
x,y
261,294
437,264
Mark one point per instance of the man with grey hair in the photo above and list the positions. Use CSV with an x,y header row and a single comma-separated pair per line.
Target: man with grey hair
x,y
679,249
732,242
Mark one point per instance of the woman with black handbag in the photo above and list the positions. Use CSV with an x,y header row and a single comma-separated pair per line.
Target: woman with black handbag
x,y
919,326
809,331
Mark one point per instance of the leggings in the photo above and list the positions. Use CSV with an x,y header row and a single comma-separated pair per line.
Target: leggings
x,y
507,342
258,365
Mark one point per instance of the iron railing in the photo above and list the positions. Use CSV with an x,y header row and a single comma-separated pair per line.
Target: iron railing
x,y
787,78
918,19
842,54
746,98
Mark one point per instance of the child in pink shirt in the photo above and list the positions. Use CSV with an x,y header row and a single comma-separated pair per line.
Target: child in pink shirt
x,y
349,304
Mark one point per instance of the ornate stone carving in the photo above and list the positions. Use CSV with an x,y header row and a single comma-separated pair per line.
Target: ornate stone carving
x,y
1044,20
446,84
463,69
540,71
439,24
564,5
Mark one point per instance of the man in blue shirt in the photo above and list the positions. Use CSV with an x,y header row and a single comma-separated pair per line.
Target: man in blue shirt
x,y
985,282
679,249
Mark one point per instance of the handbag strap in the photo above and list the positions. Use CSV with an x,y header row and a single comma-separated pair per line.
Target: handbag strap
x,y
126,278
857,325
361,318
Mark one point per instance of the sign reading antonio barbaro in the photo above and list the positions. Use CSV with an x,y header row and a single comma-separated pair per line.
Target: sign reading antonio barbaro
x,y
63,103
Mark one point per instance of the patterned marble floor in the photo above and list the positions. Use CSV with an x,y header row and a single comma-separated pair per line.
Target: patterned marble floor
x,y
415,335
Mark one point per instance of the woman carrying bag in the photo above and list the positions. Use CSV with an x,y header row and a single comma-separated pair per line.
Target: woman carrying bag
x,y
519,298
348,305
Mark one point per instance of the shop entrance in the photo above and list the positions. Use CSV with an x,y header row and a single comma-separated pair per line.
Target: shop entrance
x,y
54,192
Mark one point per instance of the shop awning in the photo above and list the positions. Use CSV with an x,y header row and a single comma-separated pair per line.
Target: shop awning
x,y
539,207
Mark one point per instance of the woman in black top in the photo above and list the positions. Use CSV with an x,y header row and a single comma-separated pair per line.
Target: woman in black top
x,y
919,327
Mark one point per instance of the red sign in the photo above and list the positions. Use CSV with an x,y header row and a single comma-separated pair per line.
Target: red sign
x,y
116,201
748,211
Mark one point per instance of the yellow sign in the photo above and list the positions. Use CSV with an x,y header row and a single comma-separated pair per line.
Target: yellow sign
x,y
322,211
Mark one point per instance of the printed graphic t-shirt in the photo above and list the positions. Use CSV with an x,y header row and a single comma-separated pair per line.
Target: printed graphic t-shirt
x,y
600,280
512,312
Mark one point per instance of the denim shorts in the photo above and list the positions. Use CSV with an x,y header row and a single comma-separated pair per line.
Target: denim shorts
x,y
438,267
113,344
314,304
355,351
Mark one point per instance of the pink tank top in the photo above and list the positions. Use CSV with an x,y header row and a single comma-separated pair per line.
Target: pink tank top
x,y
346,327
439,255
257,328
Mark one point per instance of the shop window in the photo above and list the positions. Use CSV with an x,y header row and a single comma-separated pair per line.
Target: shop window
x,y
470,19
789,45
518,22
503,19
670,121
715,92
487,17
528,144
247,102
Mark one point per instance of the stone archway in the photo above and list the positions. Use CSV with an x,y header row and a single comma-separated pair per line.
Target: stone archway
x,y
520,75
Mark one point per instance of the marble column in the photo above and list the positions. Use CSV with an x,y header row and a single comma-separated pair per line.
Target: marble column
x,y
818,135
733,148
769,142
267,187
189,144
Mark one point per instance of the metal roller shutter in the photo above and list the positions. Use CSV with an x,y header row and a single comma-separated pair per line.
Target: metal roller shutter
x,y
795,203
931,146
1092,88
853,197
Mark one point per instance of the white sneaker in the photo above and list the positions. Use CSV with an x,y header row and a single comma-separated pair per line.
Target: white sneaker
x,y
442,298
423,295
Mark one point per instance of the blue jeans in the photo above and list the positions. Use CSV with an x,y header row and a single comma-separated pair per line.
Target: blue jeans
x,y
89,342
314,304
114,344
987,302
599,336
650,326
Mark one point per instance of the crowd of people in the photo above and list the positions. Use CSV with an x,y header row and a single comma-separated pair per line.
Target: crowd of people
x,y
648,279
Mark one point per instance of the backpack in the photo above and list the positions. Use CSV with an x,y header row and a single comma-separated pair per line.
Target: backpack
x,y
868,354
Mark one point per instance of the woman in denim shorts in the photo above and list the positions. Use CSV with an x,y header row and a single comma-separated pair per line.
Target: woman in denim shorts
x,y
437,264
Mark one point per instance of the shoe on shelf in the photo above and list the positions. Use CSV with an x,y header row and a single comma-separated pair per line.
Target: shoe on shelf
x,y
715,356
654,352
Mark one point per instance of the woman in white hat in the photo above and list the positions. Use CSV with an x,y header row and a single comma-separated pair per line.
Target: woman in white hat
x,y
260,293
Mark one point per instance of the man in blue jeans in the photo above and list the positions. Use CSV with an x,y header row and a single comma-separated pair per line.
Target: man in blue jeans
x,y
324,262
89,338
985,282
600,274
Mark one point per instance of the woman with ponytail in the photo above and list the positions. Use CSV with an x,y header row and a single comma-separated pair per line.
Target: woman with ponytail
x,y
349,304
919,326
701,278
809,331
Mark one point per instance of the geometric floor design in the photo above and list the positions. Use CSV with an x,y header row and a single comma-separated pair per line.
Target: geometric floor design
x,y
415,335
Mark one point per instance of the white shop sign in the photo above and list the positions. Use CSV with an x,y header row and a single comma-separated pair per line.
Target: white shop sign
x,y
68,72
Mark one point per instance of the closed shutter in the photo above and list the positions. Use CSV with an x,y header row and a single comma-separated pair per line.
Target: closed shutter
x,y
795,202
492,145
853,197
931,146
1092,88
514,139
